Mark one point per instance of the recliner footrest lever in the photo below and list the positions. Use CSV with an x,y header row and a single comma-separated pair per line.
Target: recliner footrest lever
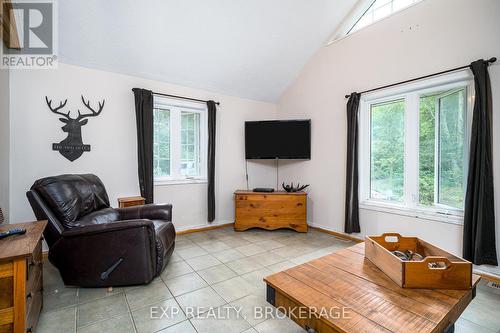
x,y
106,273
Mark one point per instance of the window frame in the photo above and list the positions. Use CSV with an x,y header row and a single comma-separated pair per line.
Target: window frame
x,y
371,11
164,108
362,7
411,93
176,108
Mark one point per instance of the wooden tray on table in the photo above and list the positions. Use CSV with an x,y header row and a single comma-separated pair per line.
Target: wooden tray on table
x,y
438,269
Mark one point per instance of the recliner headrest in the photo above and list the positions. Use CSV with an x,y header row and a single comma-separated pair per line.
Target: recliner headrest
x,y
72,196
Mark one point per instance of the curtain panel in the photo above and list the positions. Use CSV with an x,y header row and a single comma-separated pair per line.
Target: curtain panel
x,y
212,111
479,244
351,193
144,120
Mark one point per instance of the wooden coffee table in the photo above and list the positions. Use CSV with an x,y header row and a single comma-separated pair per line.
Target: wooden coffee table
x,y
344,292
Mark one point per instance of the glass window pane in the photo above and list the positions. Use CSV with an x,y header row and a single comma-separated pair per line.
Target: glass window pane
x,y
190,144
387,151
400,4
382,12
427,146
441,149
380,3
363,22
161,142
380,9
451,149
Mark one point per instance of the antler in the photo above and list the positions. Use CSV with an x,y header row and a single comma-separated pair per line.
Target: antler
x,y
302,187
55,110
94,113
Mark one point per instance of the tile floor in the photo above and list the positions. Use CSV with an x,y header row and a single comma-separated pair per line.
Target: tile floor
x,y
221,269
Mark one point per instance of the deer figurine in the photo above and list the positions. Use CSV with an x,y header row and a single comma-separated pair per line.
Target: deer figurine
x,y
72,147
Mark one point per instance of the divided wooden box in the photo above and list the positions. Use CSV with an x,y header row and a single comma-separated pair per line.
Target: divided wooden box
x,y
453,272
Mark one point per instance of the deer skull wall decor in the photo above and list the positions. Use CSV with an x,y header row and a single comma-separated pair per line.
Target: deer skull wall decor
x,y
72,147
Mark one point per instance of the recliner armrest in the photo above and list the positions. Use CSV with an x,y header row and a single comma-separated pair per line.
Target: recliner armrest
x,y
84,254
107,227
150,211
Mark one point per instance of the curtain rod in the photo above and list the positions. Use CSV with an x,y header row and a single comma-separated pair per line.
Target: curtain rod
x,y
491,60
183,97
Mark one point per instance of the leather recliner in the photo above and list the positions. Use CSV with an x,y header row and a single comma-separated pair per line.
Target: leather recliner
x,y
94,245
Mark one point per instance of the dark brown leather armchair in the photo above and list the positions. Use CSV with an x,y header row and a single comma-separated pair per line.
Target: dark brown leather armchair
x,y
94,245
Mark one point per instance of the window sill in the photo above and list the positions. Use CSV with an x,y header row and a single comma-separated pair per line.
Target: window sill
x,y
180,182
415,213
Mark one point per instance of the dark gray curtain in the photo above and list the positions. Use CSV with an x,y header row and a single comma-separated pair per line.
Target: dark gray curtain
x,y
351,193
479,216
144,119
212,110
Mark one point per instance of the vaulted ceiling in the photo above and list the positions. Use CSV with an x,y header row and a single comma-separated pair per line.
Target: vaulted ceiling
x,y
246,48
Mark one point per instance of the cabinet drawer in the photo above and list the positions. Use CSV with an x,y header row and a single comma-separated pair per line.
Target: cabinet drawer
x,y
34,281
33,307
36,258
34,298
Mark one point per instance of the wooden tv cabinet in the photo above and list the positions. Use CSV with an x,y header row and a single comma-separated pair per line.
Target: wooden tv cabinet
x,y
270,211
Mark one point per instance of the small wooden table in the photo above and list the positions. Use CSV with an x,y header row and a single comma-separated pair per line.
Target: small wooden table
x,y
344,292
131,201
21,278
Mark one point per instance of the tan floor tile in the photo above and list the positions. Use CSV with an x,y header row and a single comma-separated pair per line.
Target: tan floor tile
x,y
185,283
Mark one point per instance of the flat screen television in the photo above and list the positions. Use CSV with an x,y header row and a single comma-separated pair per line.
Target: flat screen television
x,y
283,139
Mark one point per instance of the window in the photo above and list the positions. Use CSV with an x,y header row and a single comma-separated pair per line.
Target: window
x,y
380,9
161,143
441,148
190,143
180,140
387,151
414,143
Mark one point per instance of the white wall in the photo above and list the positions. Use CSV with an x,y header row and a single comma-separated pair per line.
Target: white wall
x,y
426,38
112,136
4,142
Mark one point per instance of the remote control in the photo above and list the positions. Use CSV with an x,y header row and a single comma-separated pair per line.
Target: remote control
x,y
17,231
